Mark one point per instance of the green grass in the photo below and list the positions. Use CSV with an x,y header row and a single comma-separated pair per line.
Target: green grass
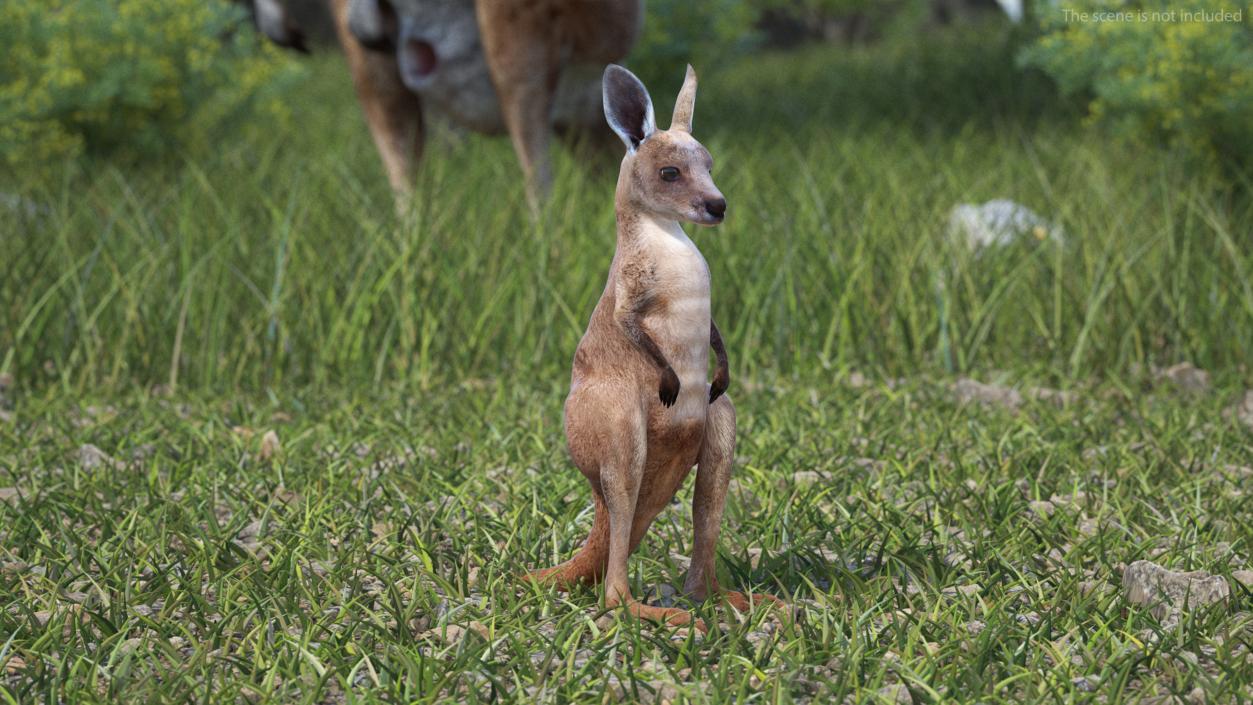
x,y
413,369
268,264
195,571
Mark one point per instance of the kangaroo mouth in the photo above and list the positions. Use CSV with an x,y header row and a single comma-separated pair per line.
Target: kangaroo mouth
x,y
418,61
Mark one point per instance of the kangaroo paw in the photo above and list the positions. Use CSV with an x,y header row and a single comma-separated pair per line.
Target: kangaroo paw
x,y
744,603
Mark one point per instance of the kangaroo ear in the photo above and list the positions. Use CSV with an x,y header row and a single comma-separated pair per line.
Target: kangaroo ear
x,y
628,109
685,104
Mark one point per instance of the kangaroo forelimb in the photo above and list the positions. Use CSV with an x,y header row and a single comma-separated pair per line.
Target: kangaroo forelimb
x,y
722,375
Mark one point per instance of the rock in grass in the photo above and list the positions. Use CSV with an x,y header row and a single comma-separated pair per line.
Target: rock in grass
x,y
664,595
1086,684
92,458
1186,377
1042,508
968,390
15,665
999,223
1166,592
807,477
896,693
969,590
1244,577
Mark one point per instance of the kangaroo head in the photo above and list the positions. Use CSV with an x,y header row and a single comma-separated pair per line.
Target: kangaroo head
x,y
665,173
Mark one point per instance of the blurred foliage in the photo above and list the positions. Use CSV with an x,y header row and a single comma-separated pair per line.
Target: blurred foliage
x,y
1156,79
815,8
817,12
133,78
678,32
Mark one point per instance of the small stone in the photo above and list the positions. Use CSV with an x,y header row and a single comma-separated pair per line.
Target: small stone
x,y
663,595
975,627
1244,577
754,557
1030,619
1089,526
1186,377
16,664
8,494
129,646
1087,684
807,477
896,693
964,590
757,637
270,446
91,458
1166,591
1042,508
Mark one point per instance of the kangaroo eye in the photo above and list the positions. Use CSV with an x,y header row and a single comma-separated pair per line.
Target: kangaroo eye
x,y
669,173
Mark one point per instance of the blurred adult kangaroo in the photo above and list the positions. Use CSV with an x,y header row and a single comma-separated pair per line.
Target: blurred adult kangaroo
x,y
523,67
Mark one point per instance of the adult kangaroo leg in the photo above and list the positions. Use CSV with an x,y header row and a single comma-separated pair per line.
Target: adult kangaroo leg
x,y
521,47
713,474
392,111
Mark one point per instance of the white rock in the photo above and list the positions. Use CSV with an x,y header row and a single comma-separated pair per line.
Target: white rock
x,y
998,223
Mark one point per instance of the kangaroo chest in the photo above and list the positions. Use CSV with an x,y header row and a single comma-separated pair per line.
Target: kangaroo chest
x,y
679,318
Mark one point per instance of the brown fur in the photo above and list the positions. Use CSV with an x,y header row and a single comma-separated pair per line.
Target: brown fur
x,y
393,112
634,426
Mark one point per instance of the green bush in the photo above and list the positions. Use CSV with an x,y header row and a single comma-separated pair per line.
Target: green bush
x,y
129,77
1157,78
677,32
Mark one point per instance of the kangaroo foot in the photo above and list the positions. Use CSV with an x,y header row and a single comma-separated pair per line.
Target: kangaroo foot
x,y
566,576
672,616
743,603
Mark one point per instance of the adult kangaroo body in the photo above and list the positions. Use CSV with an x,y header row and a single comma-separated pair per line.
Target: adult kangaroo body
x,y
490,66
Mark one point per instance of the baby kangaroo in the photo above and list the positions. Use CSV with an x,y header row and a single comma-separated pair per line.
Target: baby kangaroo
x,y
640,413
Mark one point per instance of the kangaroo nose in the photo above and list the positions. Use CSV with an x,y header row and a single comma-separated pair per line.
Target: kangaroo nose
x,y
716,207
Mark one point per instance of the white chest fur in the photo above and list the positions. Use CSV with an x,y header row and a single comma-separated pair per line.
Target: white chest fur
x,y
680,323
